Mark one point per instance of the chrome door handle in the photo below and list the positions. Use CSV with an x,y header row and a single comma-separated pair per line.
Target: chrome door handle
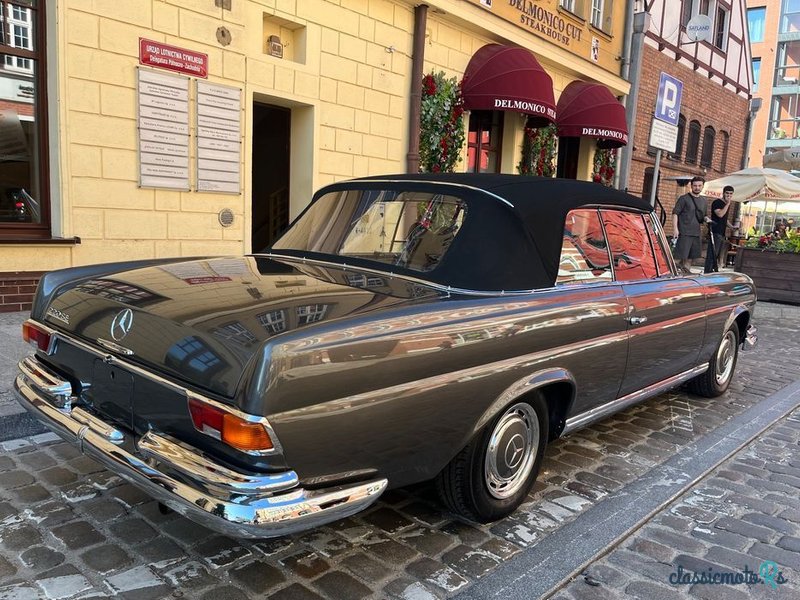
x,y
637,320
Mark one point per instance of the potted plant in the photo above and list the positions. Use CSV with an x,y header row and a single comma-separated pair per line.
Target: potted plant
x,y
773,262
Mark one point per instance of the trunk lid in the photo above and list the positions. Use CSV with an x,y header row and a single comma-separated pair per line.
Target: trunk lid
x,y
200,322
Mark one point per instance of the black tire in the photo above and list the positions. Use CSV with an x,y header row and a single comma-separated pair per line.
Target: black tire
x,y
715,381
475,486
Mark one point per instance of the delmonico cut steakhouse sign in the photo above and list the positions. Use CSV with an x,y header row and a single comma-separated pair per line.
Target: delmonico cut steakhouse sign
x,y
547,20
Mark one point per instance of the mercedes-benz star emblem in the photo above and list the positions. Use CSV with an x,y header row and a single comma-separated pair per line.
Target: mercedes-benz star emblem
x,y
122,323
514,451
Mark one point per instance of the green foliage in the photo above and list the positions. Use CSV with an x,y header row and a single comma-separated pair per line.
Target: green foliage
x,y
441,134
605,163
538,151
790,243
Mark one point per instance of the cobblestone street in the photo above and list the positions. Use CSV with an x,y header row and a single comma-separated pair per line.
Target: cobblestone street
x,y
68,528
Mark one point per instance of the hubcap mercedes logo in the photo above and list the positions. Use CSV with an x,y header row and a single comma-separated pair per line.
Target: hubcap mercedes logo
x,y
513,454
122,323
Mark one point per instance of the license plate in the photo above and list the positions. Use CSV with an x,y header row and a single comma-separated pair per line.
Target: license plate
x,y
111,393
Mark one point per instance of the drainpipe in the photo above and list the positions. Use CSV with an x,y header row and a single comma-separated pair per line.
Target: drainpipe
x,y
625,73
641,23
755,106
417,58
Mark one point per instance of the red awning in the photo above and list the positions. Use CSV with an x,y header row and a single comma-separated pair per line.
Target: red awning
x,y
508,78
590,109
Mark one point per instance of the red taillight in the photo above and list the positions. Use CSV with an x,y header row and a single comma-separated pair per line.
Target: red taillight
x,y
36,336
228,427
19,205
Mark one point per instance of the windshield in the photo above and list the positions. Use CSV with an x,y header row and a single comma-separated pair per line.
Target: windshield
x,y
412,230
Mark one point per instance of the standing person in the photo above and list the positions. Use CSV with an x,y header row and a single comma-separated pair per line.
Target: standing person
x,y
719,224
688,214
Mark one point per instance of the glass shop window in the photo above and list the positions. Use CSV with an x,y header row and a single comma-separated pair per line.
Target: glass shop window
x,y
484,140
24,198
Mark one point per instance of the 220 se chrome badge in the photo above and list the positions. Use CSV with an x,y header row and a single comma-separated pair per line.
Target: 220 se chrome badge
x,y
121,325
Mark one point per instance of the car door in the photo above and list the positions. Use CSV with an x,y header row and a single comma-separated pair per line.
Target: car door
x,y
666,313
596,350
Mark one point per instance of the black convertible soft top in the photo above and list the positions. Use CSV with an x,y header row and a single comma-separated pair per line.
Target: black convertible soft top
x,y
512,236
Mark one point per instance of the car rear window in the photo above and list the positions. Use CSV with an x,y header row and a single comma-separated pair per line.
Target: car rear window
x,y
412,230
584,252
629,242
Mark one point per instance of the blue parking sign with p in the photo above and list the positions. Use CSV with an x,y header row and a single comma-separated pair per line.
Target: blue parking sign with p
x,y
668,101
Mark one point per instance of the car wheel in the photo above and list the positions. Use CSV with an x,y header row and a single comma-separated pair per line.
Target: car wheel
x,y
717,378
491,477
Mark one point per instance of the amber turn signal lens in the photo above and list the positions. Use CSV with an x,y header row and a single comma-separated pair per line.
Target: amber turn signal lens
x,y
244,435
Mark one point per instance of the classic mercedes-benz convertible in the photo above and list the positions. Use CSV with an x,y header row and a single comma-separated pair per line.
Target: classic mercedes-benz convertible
x,y
403,329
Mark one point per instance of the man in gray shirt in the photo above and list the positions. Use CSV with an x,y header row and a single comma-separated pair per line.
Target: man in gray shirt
x,y
688,214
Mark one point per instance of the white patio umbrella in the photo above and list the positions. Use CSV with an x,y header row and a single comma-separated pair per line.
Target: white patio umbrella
x,y
756,183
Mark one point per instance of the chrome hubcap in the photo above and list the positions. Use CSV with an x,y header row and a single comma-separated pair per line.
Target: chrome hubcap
x,y
512,451
725,355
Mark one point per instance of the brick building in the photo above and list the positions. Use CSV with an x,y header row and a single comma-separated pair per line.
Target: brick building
x,y
183,128
715,108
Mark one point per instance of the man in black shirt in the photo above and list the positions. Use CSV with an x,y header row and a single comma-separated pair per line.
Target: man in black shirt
x,y
718,227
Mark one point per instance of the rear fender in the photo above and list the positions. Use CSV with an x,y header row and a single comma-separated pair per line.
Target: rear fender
x,y
739,312
523,387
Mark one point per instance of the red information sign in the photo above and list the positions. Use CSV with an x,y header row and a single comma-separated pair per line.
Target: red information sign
x,y
172,58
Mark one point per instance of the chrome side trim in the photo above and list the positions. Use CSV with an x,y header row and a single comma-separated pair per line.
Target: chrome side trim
x,y
600,412
189,461
255,515
144,373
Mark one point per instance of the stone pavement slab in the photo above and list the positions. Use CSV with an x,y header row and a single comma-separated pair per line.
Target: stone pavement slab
x,y
69,528
740,520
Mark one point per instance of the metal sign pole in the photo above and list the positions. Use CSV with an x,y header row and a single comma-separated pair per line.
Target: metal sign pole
x,y
654,185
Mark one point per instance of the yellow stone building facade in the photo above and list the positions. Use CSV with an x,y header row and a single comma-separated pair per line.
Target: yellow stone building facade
x,y
325,95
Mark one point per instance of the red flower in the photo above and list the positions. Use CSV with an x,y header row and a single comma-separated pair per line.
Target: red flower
x,y
596,178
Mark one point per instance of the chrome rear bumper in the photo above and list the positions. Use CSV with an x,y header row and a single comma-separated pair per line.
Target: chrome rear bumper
x,y
750,338
188,481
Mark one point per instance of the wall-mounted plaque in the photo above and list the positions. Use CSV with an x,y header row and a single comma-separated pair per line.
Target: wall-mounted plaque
x,y
163,119
219,138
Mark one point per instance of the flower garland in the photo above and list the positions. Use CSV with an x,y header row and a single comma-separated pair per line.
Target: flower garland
x,y
538,151
441,134
605,162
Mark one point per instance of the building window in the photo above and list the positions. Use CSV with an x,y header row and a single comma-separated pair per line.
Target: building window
x,y
597,13
721,29
686,12
679,144
705,7
756,62
568,5
787,71
484,141
755,23
274,322
790,16
311,313
723,159
24,198
708,146
693,142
